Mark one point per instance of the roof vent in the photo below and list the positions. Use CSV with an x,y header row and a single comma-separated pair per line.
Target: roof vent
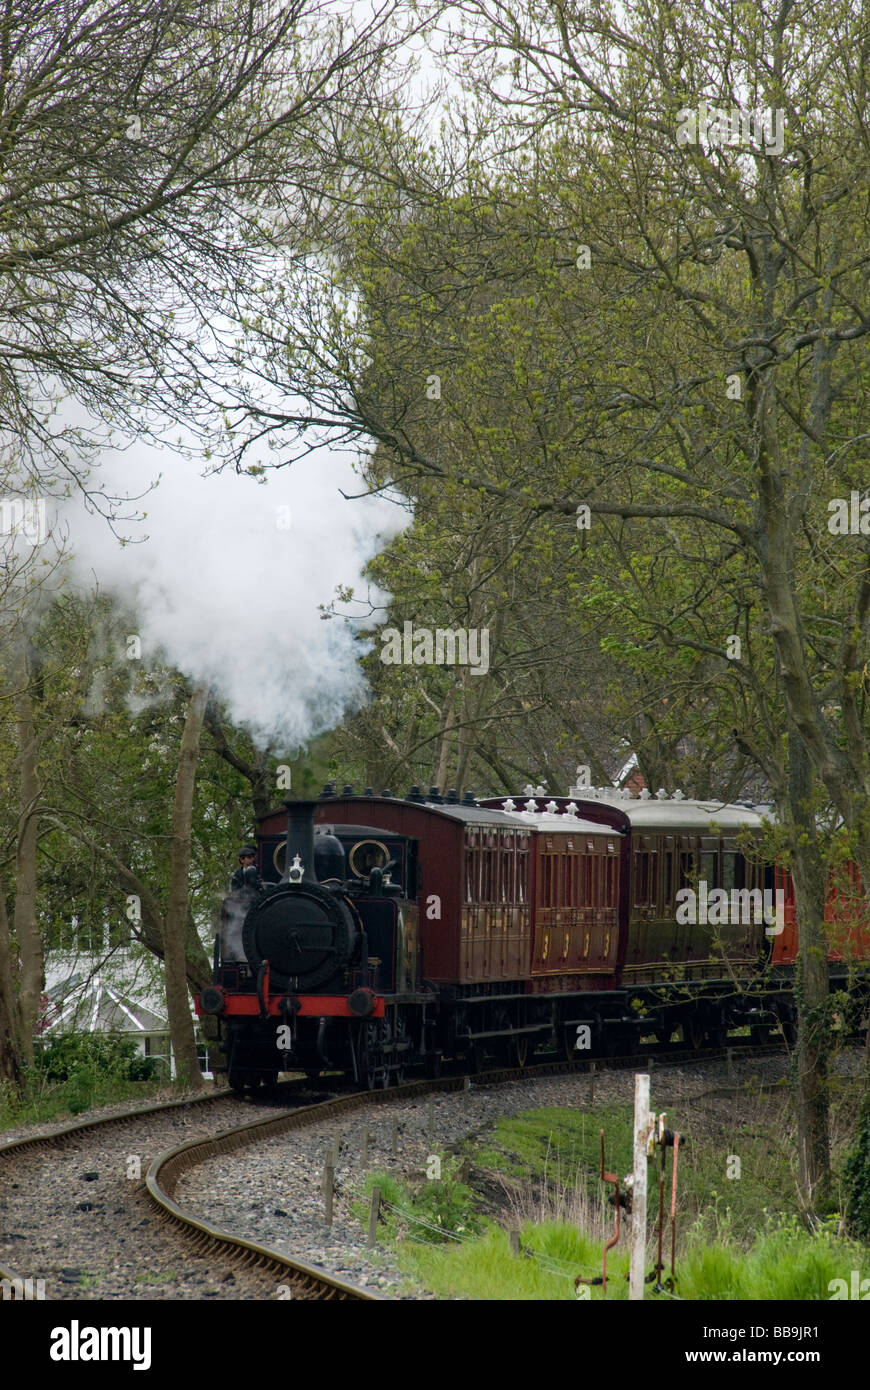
x,y
571,809
435,796
645,794
452,797
552,807
415,794
679,796
661,794
469,799
368,791
530,806
347,791
509,805
328,790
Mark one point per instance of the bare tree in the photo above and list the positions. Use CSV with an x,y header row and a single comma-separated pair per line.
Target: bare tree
x,y
156,163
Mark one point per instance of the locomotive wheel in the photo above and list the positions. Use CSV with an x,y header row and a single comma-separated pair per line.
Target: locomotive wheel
x,y
374,1074
400,1036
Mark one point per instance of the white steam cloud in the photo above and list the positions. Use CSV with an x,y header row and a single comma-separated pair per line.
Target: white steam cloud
x,y
229,594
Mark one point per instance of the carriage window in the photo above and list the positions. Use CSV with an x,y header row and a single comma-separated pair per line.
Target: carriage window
x,y
490,869
576,864
641,878
688,869
561,865
610,890
469,874
668,878
586,897
733,870
521,868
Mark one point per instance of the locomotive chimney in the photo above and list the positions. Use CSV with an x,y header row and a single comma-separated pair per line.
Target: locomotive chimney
x,y
300,840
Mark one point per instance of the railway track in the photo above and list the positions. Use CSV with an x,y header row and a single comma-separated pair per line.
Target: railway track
x,y
274,1269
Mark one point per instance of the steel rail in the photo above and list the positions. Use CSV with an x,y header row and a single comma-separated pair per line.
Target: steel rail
x,y
167,1169
307,1281
57,1137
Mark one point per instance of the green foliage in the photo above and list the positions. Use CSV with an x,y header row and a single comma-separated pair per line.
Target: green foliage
x,y
783,1263
73,1073
64,1058
857,1176
486,1269
562,1144
431,1211
786,1263
734,1242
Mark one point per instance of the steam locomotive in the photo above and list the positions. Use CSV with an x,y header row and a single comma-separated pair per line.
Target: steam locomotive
x,y
389,934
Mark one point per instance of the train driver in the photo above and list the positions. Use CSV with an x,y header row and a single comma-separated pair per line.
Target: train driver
x,y
246,875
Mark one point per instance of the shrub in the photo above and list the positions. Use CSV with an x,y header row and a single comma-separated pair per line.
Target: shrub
x,y
68,1057
856,1174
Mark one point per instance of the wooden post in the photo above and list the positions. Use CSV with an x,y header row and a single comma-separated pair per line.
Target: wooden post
x,y
514,1238
329,1186
336,1151
394,1138
638,1191
373,1218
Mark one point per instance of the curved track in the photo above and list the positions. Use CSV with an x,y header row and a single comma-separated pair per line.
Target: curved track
x,y
304,1281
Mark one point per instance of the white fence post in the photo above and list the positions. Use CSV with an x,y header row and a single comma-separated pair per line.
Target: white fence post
x,y
638,1190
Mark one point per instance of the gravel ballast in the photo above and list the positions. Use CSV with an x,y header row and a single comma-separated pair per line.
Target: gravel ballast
x,y
273,1193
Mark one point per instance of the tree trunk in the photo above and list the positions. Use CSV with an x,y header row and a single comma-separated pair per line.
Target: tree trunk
x,y
11,1059
811,986
442,761
26,923
176,918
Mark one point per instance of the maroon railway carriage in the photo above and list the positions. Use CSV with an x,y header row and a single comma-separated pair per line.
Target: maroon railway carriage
x,y
676,972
